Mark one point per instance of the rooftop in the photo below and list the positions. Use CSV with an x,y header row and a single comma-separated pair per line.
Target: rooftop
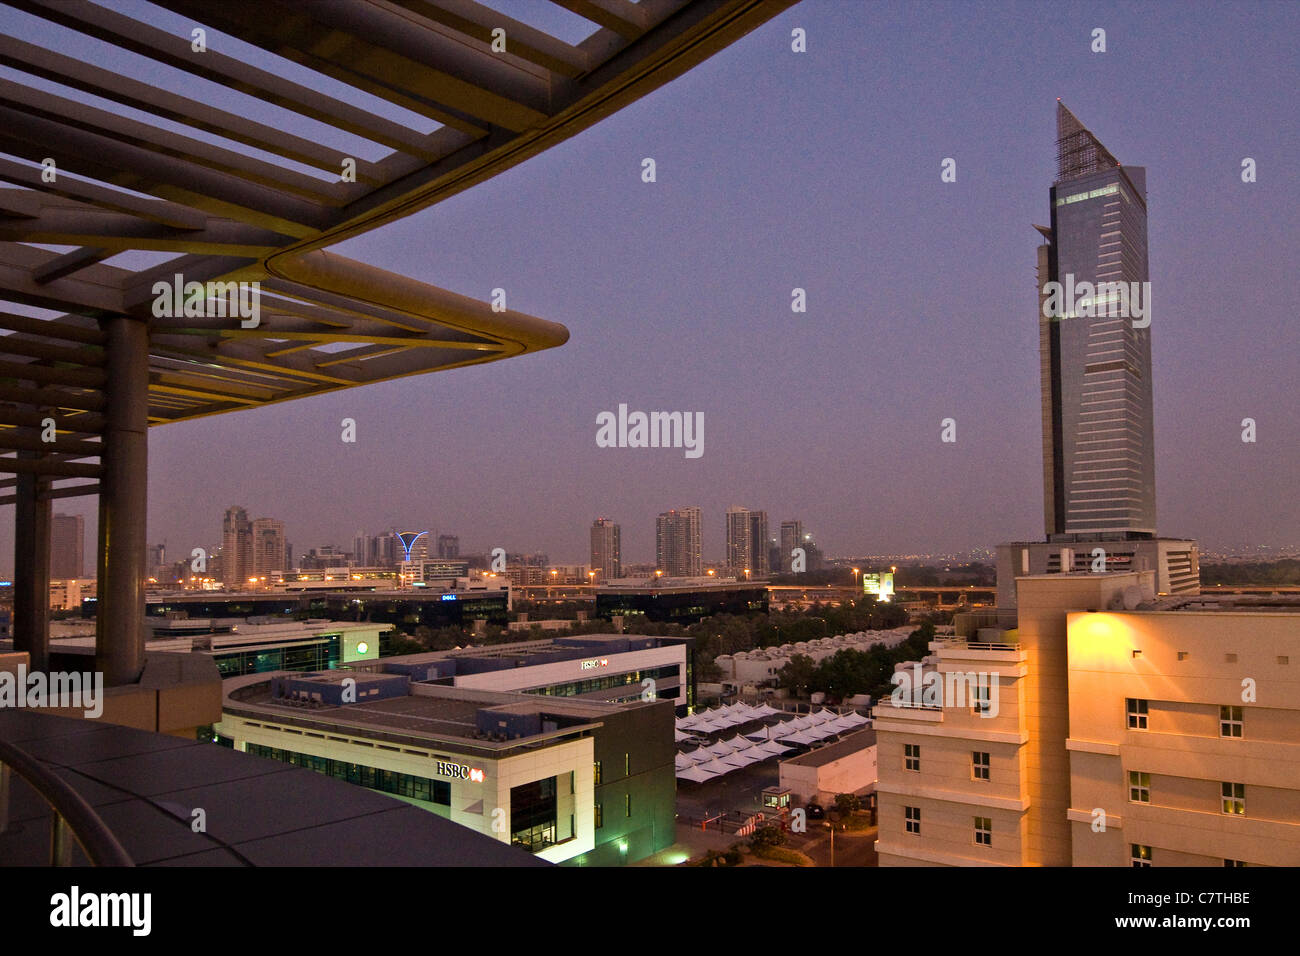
x,y
145,786
847,745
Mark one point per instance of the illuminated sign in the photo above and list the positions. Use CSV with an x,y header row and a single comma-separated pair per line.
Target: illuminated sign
x,y
881,586
600,662
459,771
449,597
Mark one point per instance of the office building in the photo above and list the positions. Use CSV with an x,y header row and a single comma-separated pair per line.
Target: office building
x,y
67,547
606,550
677,543
269,552
569,780
236,547
1094,322
679,600
1118,728
747,542
448,546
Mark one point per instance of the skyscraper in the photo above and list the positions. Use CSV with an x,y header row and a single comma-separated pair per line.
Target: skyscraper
x,y
1095,349
236,547
791,538
1094,309
448,546
747,543
268,546
677,543
606,550
67,547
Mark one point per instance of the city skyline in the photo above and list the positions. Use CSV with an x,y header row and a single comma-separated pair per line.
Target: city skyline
x,y
846,436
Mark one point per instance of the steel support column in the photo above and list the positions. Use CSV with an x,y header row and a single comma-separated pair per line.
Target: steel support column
x,y
119,634
31,624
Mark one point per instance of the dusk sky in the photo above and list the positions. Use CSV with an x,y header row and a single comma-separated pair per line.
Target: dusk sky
x,y
818,170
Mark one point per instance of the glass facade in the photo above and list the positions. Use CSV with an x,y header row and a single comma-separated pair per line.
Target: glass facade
x,y
386,781
314,656
1099,457
533,815
579,687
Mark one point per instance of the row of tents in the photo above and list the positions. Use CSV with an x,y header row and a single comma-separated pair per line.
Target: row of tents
x,y
709,761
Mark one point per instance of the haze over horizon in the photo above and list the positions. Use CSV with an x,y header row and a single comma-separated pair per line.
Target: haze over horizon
x,y
820,171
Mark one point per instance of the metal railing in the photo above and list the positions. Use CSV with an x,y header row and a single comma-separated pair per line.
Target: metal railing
x,y
73,818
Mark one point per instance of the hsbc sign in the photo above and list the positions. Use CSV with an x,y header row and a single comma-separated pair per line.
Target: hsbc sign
x,y
459,771
599,662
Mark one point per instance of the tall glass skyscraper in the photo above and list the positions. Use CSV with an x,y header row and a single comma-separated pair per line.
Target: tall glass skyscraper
x,y
1095,348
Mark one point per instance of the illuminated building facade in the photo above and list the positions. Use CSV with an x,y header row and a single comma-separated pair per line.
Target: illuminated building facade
x,y
1121,734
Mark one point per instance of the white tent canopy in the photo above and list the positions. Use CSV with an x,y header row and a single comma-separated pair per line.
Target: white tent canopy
x,y
695,775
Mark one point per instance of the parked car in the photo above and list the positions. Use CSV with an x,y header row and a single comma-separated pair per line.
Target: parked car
x,y
815,811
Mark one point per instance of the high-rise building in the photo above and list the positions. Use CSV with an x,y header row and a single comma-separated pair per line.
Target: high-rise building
x,y
236,547
448,546
677,543
747,543
67,547
1094,309
606,550
363,550
1098,449
269,552
791,538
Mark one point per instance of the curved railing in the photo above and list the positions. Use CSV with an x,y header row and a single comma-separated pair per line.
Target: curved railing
x,y
73,816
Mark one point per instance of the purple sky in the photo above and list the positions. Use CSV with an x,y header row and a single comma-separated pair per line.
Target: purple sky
x,y
820,170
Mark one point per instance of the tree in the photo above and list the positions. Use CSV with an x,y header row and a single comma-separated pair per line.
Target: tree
x,y
847,803
798,674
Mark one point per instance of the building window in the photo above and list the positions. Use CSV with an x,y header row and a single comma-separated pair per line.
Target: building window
x,y
979,765
596,773
600,816
1234,798
981,699
912,757
1231,720
984,831
627,804
1140,855
532,815
1137,714
913,817
1234,862
1139,787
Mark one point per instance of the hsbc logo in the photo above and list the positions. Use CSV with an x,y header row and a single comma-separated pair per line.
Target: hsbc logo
x,y
600,662
459,771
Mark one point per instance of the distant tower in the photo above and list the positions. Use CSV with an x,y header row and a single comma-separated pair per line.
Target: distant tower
x,y
747,543
269,549
606,550
236,547
677,543
791,538
448,546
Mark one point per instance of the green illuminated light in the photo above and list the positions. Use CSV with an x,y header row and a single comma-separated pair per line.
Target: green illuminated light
x,y
1110,190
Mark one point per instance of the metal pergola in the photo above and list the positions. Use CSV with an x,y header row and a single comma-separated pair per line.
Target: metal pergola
x,y
149,165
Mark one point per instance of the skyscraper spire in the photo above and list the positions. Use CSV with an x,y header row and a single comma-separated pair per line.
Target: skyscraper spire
x,y
1078,151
